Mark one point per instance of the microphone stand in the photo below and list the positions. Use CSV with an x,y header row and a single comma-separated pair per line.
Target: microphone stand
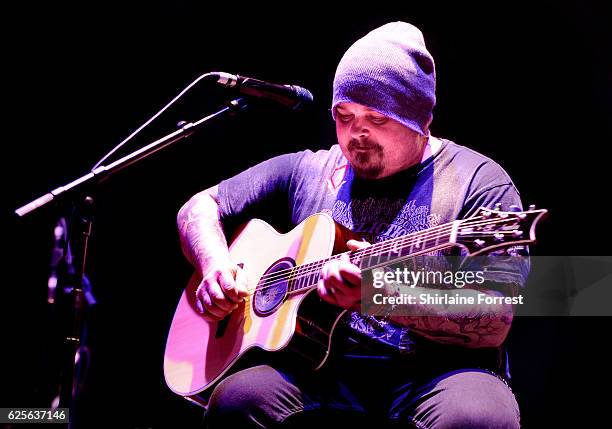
x,y
79,232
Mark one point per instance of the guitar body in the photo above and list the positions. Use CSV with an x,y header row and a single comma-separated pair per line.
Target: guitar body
x,y
199,353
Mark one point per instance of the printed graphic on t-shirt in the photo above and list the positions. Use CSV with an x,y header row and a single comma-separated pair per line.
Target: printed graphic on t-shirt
x,y
373,218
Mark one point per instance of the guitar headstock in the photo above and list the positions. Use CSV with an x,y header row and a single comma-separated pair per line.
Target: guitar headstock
x,y
493,229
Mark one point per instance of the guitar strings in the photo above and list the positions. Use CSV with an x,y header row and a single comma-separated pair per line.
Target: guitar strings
x,y
315,267
310,270
376,249
309,285
302,288
373,249
307,270
289,291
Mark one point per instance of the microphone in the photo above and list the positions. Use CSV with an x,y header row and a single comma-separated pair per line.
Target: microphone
x,y
292,96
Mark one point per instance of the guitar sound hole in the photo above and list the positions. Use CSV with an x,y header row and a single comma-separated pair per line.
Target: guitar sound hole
x,y
273,287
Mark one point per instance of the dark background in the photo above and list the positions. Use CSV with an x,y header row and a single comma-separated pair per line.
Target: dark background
x,y
525,83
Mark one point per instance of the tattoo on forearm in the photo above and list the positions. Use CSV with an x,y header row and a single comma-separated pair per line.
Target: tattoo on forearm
x,y
479,326
487,330
195,224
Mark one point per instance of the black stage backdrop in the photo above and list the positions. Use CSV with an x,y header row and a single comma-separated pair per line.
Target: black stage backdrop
x,y
525,83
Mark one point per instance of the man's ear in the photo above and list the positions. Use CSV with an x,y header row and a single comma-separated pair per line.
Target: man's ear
x,y
426,127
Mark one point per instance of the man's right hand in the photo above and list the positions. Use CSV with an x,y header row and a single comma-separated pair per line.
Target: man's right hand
x,y
222,288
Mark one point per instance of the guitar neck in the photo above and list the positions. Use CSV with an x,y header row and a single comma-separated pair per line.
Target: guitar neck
x,y
485,232
305,276
400,248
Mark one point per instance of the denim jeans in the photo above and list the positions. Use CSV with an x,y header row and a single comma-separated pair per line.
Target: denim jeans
x,y
365,392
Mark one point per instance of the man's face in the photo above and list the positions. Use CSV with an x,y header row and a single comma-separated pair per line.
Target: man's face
x,y
376,145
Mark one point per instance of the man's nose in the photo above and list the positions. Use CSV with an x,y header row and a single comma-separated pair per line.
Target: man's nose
x,y
359,128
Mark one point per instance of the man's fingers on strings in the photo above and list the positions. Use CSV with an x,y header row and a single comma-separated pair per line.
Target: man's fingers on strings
x,y
357,244
219,298
325,294
229,287
211,308
206,308
347,272
351,274
333,279
241,283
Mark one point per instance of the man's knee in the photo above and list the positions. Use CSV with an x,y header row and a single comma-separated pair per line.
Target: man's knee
x,y
478,417
470,399
250,397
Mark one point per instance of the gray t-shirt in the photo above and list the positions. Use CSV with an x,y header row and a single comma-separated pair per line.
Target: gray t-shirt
x,y
452,184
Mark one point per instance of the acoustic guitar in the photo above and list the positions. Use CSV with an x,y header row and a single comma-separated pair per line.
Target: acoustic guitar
x,y
283,310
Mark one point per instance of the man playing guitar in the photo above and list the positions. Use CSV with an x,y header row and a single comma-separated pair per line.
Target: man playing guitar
x,y
387,177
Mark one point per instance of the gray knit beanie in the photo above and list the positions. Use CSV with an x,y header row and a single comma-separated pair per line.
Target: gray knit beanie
x,y
389,70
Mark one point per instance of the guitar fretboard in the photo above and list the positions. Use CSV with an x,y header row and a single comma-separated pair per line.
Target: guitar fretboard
x,y
383,253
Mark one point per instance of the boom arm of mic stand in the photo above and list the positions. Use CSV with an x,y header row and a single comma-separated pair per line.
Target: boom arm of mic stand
x,y
103,172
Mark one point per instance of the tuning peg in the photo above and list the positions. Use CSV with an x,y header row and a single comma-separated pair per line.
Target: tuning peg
x,y
499,236
479,243
517,233
466,231
515,208
532,207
